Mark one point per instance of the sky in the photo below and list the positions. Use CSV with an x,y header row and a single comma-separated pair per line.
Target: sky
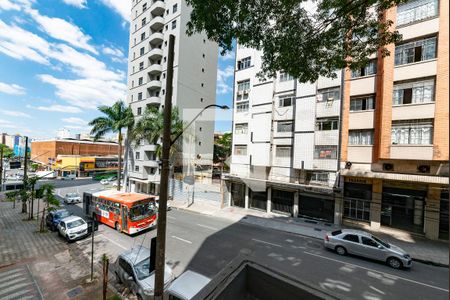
x,y
61,59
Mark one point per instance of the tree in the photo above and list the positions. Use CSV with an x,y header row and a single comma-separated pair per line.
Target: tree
x,y
7,152
296,38
222,148
31,184
150,128
47,193
11,197
117,117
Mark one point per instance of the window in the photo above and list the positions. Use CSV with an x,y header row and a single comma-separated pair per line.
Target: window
x,y
319,177
357,209
413,92
141,66
144,21
325,152
328,95
136,168
244,63
174,24
412,132
283,151
144,7
241,128
175,8
286,101
360,137
139,96
362,103
285,77
370,69
327,124
244,85
141,80
416,10
142,51
284,126
368,242
242,106
142,36
139,111
132,83
138,155
415,51
351,238
240,150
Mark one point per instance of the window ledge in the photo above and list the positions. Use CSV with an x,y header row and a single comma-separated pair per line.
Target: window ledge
x,y
363,77
415,63
362,146
412,104
361,111
418,21
412,145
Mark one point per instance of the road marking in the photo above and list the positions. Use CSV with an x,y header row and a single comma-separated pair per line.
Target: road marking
x,y
259,241
380,272
112,241
377,290
183,240
208,227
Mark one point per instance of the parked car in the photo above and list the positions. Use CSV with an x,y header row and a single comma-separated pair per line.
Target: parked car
x,y
115,184
132,268
104,181
54,217
361,243
73,228
187,285
72,198
69,177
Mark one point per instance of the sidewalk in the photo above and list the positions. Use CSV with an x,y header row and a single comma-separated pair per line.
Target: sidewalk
x,y
37,265
420,248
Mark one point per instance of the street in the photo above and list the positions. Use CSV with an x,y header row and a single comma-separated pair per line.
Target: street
x,y
206,244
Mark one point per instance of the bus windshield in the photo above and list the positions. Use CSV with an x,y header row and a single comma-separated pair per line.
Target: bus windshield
x,y
141,211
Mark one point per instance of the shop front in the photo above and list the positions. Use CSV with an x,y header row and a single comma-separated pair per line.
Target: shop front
x,y
316,206
258,199
357,199
443,215
282,201
237,194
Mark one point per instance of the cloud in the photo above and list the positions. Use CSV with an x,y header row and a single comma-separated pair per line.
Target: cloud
x,y
11,89
8,124
73,120
222,76
228,56
122,7
87,93
13,113
74,127
62,30
8,5
115,54
76,3
58,108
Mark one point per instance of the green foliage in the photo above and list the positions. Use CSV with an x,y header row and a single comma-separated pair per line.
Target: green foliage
x,y
7,152
304,42
11,196
34,166
47,193
222,147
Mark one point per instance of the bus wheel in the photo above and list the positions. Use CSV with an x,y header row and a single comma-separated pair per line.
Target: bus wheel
x,y
117,226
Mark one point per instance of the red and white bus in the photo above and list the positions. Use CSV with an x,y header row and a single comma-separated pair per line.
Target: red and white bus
x,y
126,212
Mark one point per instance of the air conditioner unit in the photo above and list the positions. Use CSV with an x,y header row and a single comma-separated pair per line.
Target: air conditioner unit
x,y
388,167
348,165
423,169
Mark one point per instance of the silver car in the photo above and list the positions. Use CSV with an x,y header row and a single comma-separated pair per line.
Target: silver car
x,y
132,268
72,198
361,243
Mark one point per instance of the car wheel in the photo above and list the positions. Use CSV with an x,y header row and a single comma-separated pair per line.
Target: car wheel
x,y
394,263
139,297
117,227
340,250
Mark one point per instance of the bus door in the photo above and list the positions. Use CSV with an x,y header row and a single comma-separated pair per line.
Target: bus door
x,y
124,218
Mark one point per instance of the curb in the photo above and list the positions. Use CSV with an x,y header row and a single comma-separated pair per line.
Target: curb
x,y
423,261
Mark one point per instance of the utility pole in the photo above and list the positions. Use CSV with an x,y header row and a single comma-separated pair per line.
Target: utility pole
x,y
25,161
162,211
1,167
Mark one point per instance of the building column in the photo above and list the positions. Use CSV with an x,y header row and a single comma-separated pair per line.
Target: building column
x,y
269,199
295,208
338,205
375,204
431,226
246,197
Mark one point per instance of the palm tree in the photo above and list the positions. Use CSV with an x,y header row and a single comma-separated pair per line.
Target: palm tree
x,y
47,193
32,183
117,117
24,197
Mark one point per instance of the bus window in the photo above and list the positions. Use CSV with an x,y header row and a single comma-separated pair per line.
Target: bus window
x,y
141,211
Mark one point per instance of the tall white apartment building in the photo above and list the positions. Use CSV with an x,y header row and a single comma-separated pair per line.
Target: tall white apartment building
x,y
285,141
194,81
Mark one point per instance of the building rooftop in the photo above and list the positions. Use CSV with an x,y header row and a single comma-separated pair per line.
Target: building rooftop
x,y
76,141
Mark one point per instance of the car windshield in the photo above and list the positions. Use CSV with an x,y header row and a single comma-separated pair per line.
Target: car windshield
x,y
141,211
72,195
142,268
75,223
380,241
62,214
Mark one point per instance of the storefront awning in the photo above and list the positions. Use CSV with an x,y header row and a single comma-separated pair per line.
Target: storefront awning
x,y
396,176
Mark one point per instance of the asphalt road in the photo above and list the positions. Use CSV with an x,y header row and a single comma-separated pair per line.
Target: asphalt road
x,y
206,244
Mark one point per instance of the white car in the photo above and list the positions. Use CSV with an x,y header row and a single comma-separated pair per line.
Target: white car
x,y
72,198
69,177
104,181
73,228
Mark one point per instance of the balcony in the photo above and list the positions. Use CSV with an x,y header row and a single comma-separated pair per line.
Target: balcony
x,y
418,69
154,85
154,69
153,99
326,137
156,38
362,85
361,119
158,7
138,175
416,152
157,23
155,53
155,178
359,153
150,163
413,111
